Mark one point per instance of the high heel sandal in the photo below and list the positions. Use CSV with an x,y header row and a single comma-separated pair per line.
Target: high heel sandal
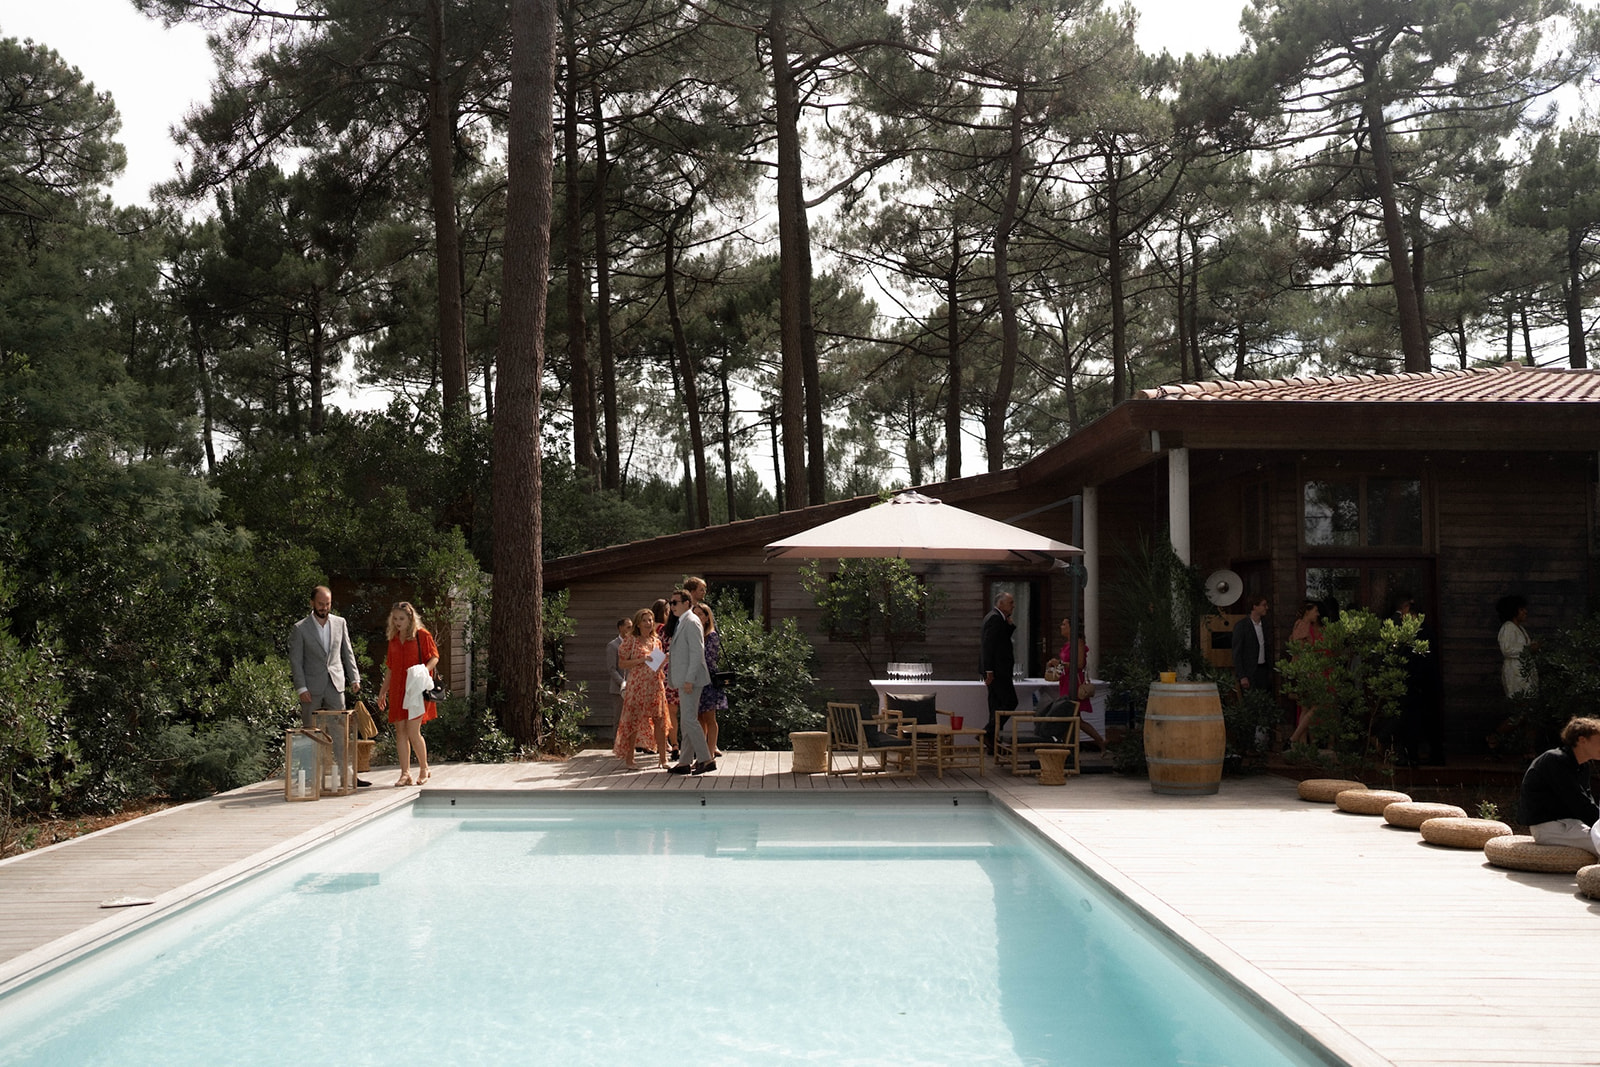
x,y
404,779
423,776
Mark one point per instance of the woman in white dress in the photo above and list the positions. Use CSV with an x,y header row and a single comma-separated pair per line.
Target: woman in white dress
x,y
1514,640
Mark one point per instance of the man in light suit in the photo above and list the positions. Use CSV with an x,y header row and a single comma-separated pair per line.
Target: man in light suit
x,y
687,673
321,660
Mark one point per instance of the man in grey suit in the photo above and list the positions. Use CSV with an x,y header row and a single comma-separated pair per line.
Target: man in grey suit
x,y
687,673
321,659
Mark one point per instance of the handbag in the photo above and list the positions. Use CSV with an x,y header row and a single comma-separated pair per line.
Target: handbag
x,y
438,692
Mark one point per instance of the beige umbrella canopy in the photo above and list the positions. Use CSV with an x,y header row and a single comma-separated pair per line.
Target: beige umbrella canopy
x,y
913,526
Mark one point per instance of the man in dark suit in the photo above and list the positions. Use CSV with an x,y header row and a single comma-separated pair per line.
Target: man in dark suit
x,y
996,658
1252,649
322,661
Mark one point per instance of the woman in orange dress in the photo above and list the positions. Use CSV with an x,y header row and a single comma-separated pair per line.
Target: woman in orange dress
x,y
409,644
644,694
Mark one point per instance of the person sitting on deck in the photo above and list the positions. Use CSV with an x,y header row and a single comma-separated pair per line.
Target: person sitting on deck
x,y
1555,800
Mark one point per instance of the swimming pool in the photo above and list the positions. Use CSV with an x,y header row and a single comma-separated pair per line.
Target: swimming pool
x,y
614,930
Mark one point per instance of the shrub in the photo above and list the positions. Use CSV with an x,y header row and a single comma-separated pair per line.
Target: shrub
x,y
466,731
564,711
196,761
1353,679
1567,664
773,691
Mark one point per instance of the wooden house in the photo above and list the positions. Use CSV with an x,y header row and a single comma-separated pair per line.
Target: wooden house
x,y
1453,487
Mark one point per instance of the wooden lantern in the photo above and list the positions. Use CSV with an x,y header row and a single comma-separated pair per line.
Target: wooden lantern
x,y
302,765
339,753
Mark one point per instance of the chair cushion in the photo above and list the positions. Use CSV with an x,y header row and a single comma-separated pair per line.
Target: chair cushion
x,y
876,738
1462,833
1368,801
1325,790
920,708
1055,732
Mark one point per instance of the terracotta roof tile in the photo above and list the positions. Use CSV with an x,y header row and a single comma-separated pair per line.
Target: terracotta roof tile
x,y
1508,383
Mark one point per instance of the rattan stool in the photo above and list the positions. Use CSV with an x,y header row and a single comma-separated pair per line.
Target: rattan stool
x,y
1323,790
1519,852
1462,833
1368,801
810,751
1411,814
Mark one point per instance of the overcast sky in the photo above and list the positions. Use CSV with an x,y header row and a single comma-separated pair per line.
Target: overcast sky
x,y
155,74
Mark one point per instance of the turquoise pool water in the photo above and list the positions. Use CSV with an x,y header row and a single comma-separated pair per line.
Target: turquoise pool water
x,y
668,932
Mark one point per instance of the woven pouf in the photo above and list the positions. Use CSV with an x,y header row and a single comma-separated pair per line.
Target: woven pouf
x,y
1462,833
1589,881
1518,852
1323,790
1411,814
810,751
1368,801
1053,765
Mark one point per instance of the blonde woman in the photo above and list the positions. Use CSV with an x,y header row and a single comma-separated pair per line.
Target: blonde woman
x,y
644,697
409,644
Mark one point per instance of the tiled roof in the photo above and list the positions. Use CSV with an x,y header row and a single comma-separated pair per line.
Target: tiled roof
x,y
1507,383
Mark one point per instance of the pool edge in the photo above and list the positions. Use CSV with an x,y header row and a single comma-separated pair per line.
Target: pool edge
x,y
38,963
1266,994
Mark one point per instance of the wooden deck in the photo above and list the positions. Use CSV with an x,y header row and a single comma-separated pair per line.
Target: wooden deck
x,y
1387,949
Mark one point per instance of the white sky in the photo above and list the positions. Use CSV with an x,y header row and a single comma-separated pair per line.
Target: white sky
x,y
155,74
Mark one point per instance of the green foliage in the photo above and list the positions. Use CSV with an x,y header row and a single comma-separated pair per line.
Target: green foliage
x,y
1157,598
1250,721
466,731
1353,679
773,691
195,761
874,604
563,712
38,759
1567,664
1487,809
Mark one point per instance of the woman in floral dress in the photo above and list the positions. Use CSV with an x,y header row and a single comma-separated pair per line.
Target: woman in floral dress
x,y
644,695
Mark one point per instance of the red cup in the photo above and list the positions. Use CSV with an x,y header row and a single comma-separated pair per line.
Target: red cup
x,y
955,722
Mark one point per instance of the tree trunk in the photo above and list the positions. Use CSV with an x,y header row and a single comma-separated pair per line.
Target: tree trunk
x,y
1070,377
583,456
516,627
792,296
952,396
691,388
1180,313
994,423
727,436
1119,315
1577,350
446,234
318,357
1193,305
612,477
203,379
1413,339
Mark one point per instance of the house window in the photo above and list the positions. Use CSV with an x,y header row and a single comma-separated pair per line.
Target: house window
x,y
749,591
1363,511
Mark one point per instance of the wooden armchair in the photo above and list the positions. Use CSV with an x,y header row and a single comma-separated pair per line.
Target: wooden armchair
x,y
851,735
1020,734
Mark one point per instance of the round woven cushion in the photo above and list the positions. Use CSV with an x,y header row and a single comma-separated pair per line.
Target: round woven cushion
x,y
1462,833
1519,853
1589,880
1368,801
1410,814
1323,790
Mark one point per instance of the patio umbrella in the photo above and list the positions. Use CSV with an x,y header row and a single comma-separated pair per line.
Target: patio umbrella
x,y
912,526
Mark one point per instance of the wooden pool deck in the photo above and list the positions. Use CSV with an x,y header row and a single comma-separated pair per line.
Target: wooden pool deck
x,y
1387,949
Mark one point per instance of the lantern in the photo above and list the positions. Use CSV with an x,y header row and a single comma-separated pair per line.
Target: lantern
x,y
302,765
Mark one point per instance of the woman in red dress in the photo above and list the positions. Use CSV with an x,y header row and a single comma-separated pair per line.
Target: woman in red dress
x,y
409,644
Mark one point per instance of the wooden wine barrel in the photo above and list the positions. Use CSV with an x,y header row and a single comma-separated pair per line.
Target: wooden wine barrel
x,y
1184,738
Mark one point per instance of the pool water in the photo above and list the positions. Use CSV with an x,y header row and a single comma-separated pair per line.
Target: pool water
x,y
668,932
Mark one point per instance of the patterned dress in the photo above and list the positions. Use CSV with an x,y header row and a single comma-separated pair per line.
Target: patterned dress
x,y
644,700
713,697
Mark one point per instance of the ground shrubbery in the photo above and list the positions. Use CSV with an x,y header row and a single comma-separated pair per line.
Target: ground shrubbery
x,y
774,687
